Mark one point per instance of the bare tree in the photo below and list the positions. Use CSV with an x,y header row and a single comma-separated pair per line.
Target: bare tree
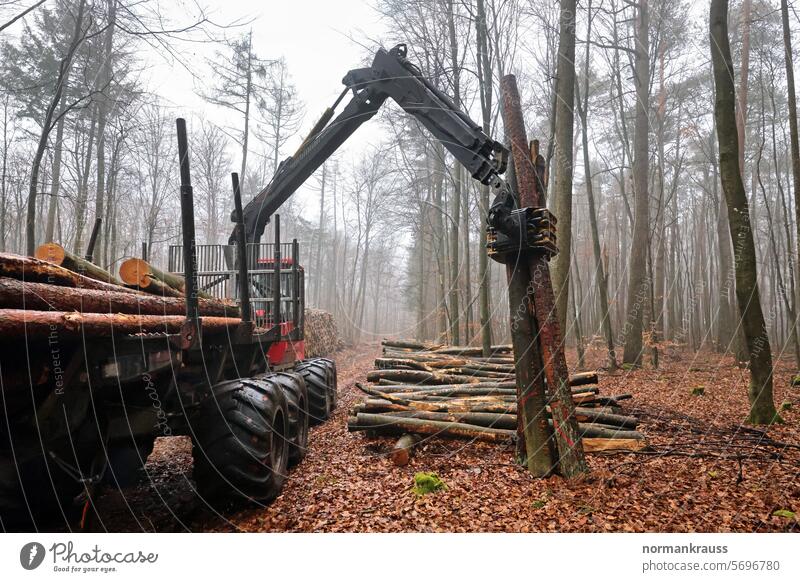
x,y
22,14
212,168
637,280
564,123
104,102
280,110
155,151
600,271
78,37
239,75
484,72
762,407
793,135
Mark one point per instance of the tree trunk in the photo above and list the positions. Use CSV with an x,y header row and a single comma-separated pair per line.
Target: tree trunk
x,y
248,91
16,294
793,135
58,255
4,175
55,185
455,219
562,198
23,323
320,240
534,443
83,186
31,269
142,274
529,174
575,303
485,89
637,281
741,109
441,249
364,421
103,110
47,126
762,407
600,272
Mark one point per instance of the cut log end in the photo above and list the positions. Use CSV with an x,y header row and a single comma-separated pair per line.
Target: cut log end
x,y
135,271
404,449
52,253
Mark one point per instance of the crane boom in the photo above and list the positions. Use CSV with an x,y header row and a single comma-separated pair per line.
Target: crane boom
x,y
390,76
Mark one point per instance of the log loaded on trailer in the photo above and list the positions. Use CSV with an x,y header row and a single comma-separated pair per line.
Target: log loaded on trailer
x,y
85,394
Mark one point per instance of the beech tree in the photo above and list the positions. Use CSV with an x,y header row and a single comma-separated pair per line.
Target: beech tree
x,y
762,406
564,123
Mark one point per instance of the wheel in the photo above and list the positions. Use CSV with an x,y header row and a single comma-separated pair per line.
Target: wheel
x,y
317,374
294,388
240,441
332,380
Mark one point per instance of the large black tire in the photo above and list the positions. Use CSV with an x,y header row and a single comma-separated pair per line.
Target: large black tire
x,y
240,441
333,382
321,399
294,388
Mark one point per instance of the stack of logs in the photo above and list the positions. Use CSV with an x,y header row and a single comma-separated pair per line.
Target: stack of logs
x,y
321,333
421,390
58,290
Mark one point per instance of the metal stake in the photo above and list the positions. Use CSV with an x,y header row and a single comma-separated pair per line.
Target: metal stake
x,y
276,285
241,248
187,224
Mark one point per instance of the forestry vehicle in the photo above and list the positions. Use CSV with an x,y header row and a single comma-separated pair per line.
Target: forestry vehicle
x,y
80,411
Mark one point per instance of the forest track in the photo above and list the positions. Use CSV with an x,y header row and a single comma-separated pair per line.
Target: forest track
x,y
348,482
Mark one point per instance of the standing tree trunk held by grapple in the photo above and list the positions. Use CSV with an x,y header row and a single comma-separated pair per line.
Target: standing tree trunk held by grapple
x,y
571,461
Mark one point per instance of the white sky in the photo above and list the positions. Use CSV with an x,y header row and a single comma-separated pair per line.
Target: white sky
x,y
319,40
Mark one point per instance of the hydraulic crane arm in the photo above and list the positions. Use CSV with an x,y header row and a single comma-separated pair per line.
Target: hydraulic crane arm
x,y
390,76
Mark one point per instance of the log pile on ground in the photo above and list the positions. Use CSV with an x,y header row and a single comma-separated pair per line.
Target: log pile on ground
x,y
429,390
321,333
38,296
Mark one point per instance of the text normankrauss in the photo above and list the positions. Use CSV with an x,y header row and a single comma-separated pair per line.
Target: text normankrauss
x,y
65,553
685,549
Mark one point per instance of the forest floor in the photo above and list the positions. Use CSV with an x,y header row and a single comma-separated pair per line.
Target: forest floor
x,y
705,473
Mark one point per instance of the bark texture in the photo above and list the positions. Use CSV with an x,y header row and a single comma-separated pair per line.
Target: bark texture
x,y
762,407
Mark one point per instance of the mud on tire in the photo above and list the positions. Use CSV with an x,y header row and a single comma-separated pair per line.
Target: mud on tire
x,y
240,441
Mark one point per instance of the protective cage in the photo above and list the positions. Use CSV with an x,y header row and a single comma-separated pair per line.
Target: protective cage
x,y
218,276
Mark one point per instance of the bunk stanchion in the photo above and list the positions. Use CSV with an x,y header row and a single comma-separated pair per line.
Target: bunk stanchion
x,y
187,226
241,251
276,284
295,284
